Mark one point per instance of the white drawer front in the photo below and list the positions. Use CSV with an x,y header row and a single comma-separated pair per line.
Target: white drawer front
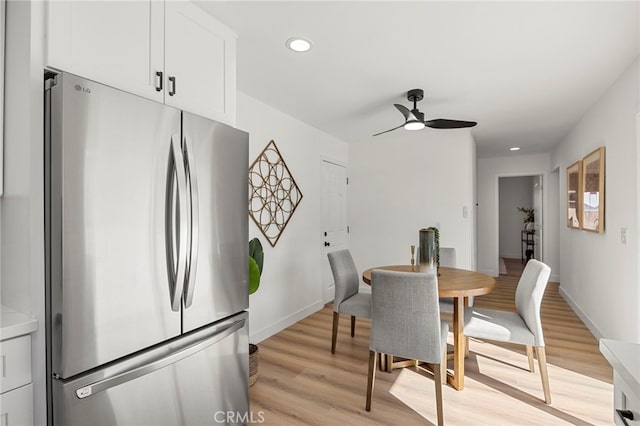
x,y
16,407
15,363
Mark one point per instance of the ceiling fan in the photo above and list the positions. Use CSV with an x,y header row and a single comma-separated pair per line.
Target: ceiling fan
x,y
414,119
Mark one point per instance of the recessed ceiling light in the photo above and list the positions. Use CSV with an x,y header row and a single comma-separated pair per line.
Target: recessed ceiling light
x,y
514,148
299,44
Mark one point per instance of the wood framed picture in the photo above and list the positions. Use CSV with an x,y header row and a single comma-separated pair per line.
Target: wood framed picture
x,y
593,191
574,198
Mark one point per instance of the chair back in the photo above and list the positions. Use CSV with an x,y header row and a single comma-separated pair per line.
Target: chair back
x,y
345,276
448,257
529,294
405,317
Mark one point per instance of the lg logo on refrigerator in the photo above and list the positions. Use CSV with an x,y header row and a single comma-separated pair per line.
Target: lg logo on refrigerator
x,y
82,89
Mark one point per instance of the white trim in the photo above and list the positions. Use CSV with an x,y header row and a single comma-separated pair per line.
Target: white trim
x,y
327,294
3,30
288,321
554,279
585,319
331,160
545,203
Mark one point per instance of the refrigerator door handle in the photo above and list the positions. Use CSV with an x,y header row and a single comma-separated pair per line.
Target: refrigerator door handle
x,y
118,379
192,183
177,223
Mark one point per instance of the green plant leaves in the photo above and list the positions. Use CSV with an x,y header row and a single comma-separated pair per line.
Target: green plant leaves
x,y
255,251
254,276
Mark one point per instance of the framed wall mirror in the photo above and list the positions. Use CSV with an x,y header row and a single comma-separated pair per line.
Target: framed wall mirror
x,y
593,191
574,198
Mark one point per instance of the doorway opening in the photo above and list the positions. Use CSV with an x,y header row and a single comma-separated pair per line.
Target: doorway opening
x,y
520,228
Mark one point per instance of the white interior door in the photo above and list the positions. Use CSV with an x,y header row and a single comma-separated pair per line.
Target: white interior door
x,y
335,225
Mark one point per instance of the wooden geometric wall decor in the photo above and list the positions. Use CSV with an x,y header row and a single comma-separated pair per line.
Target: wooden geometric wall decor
x,y
273,193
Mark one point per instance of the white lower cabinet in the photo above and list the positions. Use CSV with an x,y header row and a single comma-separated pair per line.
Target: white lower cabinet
x,y
16,407
16,390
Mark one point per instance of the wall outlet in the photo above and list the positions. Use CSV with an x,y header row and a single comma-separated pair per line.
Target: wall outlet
x,y
465,212
623,235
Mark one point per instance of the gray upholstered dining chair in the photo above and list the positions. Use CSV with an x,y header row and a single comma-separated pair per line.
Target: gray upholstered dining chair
x,y
523,327
347,298
448,260
405,321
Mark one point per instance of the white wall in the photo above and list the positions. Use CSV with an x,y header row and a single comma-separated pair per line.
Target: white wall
x,y
290,287
22,206
600,278
408,181
489,171
514,192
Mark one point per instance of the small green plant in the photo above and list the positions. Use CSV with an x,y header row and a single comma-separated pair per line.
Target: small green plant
x,y
529,214
256,260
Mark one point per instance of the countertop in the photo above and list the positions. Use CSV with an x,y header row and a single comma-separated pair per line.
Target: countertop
x,y
624,357
14,323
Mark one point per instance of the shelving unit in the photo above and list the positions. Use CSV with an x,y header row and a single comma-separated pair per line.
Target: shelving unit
x,y
527,243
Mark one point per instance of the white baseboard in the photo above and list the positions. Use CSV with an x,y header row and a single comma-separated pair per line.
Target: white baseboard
x,y
268,331
554,278
510,256
585,319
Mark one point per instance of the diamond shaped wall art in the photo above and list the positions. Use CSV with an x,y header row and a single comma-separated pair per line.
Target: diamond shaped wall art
x,y
273,193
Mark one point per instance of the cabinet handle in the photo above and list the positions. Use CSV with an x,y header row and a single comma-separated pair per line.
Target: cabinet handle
x,y
172,87
159,85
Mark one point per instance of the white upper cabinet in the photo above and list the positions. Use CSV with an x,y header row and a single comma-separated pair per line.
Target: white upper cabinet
x,y
171,52
200,60
118,43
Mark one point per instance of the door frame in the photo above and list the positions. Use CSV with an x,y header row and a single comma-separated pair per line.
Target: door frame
x,y
544,178
326,298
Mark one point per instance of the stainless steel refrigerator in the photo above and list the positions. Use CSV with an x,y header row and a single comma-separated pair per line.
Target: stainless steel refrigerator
x,y
146,261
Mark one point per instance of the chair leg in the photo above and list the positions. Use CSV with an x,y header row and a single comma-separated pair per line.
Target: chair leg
x,y
371,378
544,375
437,376
466,346
389,363
443,367
382,361
353,325
530,357
334,336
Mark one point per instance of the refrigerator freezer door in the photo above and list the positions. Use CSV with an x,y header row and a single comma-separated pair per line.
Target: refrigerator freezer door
x,y
217,157
200,379
110,156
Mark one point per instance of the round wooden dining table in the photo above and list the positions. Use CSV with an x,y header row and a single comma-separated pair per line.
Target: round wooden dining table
x,y
458,284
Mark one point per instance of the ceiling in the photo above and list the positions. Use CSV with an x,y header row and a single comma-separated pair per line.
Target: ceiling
x,y
525,71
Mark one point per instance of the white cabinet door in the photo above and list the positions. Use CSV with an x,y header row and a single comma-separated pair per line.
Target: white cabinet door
x,y
16,407
200,58
118,43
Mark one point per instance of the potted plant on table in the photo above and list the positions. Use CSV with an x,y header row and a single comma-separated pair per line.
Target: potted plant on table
x,y
256,260
529,217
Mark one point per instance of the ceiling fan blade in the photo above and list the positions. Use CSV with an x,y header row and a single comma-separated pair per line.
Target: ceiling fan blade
x,y
442,123
390,130
408,115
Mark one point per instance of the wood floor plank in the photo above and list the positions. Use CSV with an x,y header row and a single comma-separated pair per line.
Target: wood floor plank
x,y
301,383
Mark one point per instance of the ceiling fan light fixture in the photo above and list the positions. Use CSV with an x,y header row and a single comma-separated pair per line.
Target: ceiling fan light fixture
x,y
414,125
299,44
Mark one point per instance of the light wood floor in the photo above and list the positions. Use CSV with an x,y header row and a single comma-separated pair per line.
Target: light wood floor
x,y
300,381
